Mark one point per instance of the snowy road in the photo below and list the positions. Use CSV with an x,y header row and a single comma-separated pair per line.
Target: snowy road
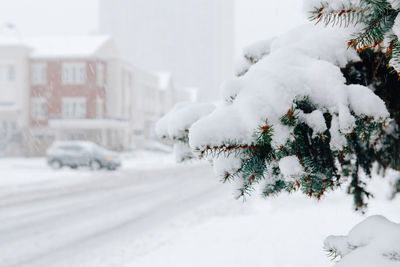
x,y
96,219
154,213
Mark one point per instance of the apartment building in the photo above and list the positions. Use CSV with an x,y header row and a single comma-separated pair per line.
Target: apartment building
x,y
75,88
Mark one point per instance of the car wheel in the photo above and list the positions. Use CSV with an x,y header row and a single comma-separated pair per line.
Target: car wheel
x,y
95,165
74,167
112,168
56,164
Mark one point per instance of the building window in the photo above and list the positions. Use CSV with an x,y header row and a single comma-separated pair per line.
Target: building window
x,y
11,73
100,74
74,108
7,73
39,73
39,108
8,127
100,108
74,73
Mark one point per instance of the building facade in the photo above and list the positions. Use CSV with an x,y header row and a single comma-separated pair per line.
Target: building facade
x,y
75,88
14,94
194,40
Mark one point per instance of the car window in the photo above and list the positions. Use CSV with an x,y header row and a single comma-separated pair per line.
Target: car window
x,y
71,148
99,150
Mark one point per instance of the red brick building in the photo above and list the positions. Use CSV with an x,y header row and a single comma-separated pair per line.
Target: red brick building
x,y
76,88
70,88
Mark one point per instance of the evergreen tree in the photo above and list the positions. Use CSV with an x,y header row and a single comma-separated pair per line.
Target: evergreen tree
x,y
314,145
321,146
379,47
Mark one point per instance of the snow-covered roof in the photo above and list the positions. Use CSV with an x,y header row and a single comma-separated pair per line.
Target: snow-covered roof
x,y
10,36
10,41
66,46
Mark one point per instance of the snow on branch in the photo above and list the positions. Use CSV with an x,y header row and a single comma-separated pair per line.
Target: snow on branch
x,y
374,242
379,20
292,103
252,54
303,63
291,110
174,127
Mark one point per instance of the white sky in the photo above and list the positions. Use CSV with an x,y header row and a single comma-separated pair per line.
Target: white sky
x,y
256,19
50,16
261,19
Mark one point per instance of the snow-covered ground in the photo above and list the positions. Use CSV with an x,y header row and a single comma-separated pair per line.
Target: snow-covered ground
x,y
154,212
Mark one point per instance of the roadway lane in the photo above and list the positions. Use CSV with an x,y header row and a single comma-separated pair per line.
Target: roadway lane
x,y
103,219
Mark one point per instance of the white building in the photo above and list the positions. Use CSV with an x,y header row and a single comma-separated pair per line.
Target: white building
x,y
194,39
14,92
75,87
140,97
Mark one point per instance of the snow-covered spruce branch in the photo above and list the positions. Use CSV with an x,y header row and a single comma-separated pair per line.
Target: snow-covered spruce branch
x,y
291,122
300,166
253,54
379,20
343,16
372,71
174,127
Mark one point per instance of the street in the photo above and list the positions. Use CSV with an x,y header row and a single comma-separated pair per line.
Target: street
x,y
106,215
155,213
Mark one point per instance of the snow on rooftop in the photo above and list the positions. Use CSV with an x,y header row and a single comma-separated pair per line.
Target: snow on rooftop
x,y
10,36
57,46
10,41
66,46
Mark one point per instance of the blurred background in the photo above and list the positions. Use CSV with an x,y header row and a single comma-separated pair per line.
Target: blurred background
x,y
106,70
82,84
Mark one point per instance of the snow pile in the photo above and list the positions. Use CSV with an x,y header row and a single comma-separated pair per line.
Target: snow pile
x,y
268,230
290,167
258,50
374,242
252,54
242,66
315,120
303,63
177,122
175,126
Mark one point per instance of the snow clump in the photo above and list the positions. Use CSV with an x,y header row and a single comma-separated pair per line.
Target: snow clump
x,y
290,167
372,243
305,62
